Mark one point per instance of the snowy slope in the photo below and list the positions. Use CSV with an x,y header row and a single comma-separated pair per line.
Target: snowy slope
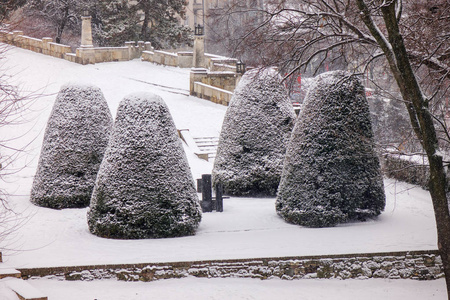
x,y
248,227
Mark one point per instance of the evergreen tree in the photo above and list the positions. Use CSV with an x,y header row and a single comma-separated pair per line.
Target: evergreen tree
x,y
157,21
144,187
331,173
74,143
115,22
254,136
161,24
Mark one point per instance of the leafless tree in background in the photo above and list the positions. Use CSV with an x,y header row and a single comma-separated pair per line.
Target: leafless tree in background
x,y
11,107
13,104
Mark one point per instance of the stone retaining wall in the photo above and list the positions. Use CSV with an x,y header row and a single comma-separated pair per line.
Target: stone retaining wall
x,y
211,60
406,170
215,86
44,45
86,55
212,93
184,59
225,80
181,59
108,54
92,55
419,265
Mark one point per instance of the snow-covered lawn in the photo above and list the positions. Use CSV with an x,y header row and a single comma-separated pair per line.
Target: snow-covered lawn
x,y
248,227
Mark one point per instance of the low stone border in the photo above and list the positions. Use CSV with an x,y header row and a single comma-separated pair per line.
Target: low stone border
x,y
212,93
406,170
420,265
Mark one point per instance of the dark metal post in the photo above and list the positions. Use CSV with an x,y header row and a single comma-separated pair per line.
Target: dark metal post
x,y
219,197
199,185
207,204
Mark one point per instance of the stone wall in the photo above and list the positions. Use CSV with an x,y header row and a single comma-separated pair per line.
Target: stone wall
x,y
217,67
419,265
44,45
83,55
92,55
212,93
99,55
181,59
185,59
216,86
211,60
224,80
406,169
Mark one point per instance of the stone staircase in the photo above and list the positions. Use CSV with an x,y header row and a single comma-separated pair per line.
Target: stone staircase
x,y
207,145
204,147
12,279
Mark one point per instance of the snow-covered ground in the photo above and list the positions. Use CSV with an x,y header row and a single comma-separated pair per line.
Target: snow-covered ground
x,y
248,227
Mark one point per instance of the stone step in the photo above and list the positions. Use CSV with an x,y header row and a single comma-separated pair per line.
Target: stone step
x,y
207,145
5,272
208,149
204,147
206,140
24,290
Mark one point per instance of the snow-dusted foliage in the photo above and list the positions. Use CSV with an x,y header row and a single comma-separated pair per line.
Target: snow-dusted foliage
x,y
144,188
254,136
391,125
74,143
331,173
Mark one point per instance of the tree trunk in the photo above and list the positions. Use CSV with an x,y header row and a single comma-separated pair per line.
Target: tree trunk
x,y
61,26
426,132
145,23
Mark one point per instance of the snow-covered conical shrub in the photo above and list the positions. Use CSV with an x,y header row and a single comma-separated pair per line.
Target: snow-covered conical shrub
x,y
74,143
144,187
331,173
254,136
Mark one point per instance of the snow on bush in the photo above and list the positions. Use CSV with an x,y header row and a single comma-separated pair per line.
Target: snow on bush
x,y
254,136
74,143
144,187
391,125
331,173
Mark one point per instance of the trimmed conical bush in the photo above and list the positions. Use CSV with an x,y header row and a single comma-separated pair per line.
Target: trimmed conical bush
x,y
254,136
331,172
74,143
144,187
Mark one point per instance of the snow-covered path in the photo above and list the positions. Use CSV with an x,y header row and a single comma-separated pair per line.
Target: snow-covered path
x,y
239,288
249,227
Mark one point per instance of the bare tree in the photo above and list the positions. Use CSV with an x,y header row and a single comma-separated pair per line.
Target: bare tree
x,y
8,6
161,23
226,20
12,105
61,14
410,37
